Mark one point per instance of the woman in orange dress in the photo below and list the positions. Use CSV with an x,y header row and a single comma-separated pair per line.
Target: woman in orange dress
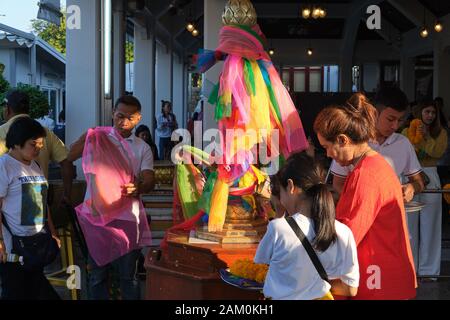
x,y
371,203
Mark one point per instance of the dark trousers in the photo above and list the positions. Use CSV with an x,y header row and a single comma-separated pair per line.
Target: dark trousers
x,y
164,146
21,284
127,269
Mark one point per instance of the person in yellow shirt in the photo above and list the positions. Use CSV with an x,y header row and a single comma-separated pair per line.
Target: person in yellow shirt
x,y
430,142
17,105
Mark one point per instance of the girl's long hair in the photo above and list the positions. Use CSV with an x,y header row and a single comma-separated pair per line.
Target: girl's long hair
x,y
309,175
435,126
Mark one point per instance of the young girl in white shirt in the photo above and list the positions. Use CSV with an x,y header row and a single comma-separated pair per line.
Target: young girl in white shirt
x,y
292,275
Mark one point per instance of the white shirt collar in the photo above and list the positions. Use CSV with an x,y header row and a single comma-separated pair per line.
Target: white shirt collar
x,y
131,138
390,140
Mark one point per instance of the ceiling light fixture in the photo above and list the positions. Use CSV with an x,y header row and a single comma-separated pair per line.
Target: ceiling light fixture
x,y
438,26
190,27
313,11
306,13
316,13
323,13
424,31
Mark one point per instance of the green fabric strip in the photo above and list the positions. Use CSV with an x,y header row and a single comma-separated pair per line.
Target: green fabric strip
x,y
249,78
214,95
205,199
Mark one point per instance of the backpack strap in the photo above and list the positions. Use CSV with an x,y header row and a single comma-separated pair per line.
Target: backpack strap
x,y
308,247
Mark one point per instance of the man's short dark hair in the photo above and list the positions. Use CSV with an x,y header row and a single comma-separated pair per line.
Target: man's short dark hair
x,y
391,97
22,130
129,101
18,101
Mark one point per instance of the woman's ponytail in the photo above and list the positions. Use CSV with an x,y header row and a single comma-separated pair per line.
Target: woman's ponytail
x,y
356,118
323,215
364,111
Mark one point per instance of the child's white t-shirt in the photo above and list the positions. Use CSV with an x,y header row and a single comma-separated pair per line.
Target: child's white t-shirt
x,y
292,275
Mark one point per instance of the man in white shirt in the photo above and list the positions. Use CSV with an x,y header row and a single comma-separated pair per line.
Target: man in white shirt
x,y
126,115
391,104
46,121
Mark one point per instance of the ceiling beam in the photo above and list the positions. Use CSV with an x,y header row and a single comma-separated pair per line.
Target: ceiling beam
x,y
145,19
413,10
158,8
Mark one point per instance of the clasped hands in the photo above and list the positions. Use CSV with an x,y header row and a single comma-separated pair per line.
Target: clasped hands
x,y
131,189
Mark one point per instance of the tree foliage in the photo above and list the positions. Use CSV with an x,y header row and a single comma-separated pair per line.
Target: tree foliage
x,y
38,100
4,84
56,36
129,52
51,33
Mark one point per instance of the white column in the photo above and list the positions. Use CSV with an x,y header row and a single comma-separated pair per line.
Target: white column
x,y
163,77
12,68
184,88
83,72
348,44
213,10
143,70
441,74
33,64
178,107
345,73
119,32
171,69
153,107
407,76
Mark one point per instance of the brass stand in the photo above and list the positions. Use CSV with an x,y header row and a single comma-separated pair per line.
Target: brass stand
x,y
235,231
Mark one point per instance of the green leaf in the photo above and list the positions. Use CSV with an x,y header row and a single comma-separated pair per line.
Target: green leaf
x,y
51,33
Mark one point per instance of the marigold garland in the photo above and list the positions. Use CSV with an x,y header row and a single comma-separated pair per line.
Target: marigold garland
x,y
447,195
245,268
414,135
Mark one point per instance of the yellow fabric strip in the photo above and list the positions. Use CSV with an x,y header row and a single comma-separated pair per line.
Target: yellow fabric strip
x,y
327,296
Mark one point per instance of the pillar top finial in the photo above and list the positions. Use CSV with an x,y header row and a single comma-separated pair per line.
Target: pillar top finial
x,y
239,12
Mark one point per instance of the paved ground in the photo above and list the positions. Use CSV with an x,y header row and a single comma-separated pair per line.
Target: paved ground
x,y
437,290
